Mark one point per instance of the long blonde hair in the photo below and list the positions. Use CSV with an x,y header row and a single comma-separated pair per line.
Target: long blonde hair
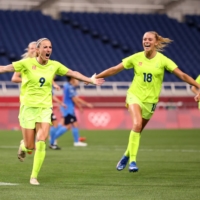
x,y
162,42
27,54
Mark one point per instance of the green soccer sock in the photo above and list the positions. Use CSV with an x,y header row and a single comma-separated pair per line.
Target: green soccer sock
x,y
127,152
38,158
29,151
133,145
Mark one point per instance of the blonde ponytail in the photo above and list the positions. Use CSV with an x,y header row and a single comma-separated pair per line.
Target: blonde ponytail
x,y
162,42
27,54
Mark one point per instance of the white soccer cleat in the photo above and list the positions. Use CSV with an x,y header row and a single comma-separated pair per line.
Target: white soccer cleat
x,y
80,144
34,181
21,154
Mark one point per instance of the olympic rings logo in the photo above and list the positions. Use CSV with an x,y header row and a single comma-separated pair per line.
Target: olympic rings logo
x,y
99,119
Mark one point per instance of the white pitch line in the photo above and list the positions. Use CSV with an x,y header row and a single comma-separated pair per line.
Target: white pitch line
x,y
10,184
9,147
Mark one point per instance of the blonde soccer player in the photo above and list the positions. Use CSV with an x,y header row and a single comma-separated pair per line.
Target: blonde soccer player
x,y
36,109
30,52
143,94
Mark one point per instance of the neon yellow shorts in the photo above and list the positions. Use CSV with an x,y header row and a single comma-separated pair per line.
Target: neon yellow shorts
x,y
147,108
28,116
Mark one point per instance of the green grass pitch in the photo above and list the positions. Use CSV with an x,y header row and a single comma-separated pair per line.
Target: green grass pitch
x,y
168,161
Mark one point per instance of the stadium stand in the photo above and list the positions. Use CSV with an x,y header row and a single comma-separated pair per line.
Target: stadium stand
x,y
90,42
96,36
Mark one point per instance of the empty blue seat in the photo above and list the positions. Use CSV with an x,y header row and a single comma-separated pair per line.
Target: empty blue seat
x,y
92,42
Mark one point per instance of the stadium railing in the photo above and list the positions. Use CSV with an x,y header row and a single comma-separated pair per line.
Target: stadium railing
x,y
170,89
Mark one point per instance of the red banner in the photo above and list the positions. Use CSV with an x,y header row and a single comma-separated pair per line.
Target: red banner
x,y
115,118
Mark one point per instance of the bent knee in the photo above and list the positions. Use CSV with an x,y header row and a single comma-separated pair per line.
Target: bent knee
x,y
137,126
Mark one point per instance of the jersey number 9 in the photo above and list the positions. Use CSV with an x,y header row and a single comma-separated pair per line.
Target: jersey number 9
x,y
42,81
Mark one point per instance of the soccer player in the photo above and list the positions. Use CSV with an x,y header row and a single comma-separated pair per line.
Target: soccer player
x,y
195,89
70,98
36,108
16,78
55,126
143,94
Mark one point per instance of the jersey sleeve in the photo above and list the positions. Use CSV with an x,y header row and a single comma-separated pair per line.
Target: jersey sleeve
x,y
19,65
198,79
170,65
128,62
61,69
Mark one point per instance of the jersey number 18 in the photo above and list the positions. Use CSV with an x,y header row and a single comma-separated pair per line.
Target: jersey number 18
x,y
147,77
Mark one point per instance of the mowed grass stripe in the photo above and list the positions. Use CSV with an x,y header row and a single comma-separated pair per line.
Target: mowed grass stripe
x,y
168,169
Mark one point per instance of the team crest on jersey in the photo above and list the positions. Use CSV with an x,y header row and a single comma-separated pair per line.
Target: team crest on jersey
x,y
50,67
140,63
34,67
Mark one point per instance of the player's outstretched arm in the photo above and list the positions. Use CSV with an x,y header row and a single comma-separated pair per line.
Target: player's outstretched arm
x,y
186,78
57,100
16,78
194,90
81,77
111,71
55,85
84,103
7,68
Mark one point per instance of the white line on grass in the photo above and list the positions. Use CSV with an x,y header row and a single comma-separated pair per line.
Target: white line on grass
x,y
10,184
8,147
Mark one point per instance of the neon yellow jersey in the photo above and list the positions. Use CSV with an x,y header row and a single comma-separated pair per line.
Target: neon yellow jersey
x,y
36,88
23,87
148,75
198,81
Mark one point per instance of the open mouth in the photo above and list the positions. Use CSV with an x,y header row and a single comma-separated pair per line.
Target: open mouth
x,y
147,45
47,55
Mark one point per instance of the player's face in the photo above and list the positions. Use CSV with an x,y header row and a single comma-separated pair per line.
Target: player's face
x,y
149,42
45,50
31,49
75,82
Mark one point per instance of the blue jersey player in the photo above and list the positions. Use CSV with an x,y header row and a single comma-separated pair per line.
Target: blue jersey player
x,y
71,99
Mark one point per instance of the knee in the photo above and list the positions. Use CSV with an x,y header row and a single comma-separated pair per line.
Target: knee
x,y
42,135
69,127
137,126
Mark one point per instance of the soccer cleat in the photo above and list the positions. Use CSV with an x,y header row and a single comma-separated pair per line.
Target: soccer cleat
x,y
133,167
54,147
34,181
21,154
122,163
80,144
82,139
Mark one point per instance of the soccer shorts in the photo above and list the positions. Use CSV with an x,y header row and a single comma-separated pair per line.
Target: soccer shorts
x,y
147,108
69,119
29,116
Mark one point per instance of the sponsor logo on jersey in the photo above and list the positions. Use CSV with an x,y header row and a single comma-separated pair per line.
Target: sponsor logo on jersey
x,y
140,63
